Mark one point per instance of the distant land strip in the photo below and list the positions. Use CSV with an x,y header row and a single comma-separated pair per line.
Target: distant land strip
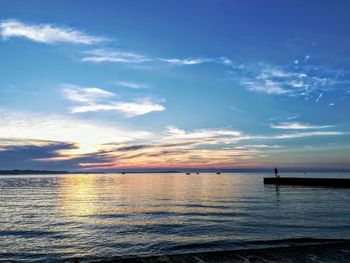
x,y
16,171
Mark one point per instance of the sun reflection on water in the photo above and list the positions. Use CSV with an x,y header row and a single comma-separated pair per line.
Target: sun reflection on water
x,y
137,198
78,194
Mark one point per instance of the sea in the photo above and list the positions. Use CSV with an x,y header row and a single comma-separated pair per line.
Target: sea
x,y
86,217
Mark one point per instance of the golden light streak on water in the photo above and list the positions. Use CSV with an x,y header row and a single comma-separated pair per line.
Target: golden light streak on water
x,y
78,194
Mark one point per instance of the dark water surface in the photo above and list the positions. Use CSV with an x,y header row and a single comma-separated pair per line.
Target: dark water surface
x,y
89,216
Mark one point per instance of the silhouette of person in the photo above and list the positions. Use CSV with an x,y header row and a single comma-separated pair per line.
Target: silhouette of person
x,y
276,172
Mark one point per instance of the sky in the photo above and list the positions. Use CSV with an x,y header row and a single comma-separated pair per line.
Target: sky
x,y
162,85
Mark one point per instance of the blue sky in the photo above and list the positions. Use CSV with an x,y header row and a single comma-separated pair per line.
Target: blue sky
x,y
162,84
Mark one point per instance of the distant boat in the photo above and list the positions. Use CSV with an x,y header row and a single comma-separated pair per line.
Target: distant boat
x,y
218,173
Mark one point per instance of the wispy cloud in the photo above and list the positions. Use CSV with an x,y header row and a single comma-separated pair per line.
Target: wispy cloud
x,y
226,61
130,109
96,100
259,146
268,87
308,134
132,85
115,56
45,33
298,126
283,118
200,133
237,110
319,97
228,136
302,81
122,56
292,117
275,81
186,61
85,94
195,61
204,136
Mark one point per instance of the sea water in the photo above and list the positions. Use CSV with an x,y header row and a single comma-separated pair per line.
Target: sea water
x,y
102,216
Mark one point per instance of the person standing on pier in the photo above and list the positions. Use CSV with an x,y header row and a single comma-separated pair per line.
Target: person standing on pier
x,y
276,172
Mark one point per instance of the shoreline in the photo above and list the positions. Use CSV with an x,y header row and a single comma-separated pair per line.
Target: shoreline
x,y
316,251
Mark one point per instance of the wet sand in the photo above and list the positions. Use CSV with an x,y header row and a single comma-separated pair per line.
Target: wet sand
x,y
332,251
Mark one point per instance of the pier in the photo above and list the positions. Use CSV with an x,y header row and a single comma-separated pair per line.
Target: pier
x,y
325,182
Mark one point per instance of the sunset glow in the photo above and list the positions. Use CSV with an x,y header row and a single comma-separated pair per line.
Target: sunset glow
x,y
92,93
